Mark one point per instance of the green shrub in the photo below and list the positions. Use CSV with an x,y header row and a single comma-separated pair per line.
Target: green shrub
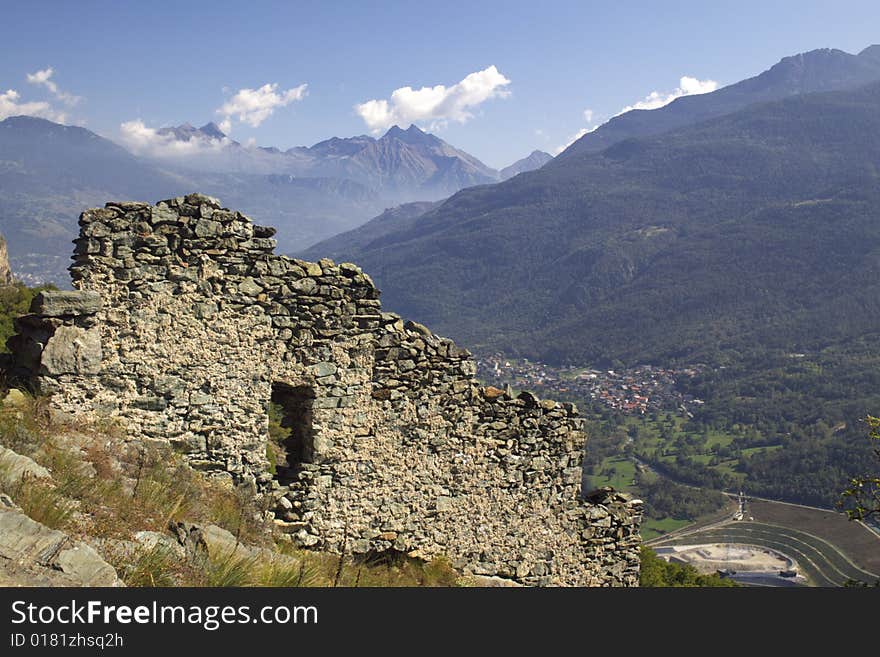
x,y
656,572
15,300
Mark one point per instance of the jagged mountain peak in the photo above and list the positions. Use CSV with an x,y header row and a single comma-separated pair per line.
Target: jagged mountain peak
x,y
186,131
394,131
212,130
814,70
412,135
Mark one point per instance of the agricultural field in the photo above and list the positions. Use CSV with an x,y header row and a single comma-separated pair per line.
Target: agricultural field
x,y
665,460
681,450
691,453
616,471
654,528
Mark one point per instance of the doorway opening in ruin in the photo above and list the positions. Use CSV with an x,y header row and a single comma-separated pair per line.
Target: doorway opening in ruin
x,y
291,433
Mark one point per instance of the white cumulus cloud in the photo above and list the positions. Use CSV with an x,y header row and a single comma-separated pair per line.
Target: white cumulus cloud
x,y
143,140
44,78
687,86
11,105
253,106
434,106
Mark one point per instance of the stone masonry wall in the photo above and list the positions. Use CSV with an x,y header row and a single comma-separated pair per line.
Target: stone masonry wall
x,y
185,325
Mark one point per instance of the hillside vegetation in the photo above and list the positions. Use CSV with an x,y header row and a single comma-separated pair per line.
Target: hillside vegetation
x,y
657,573
749,243
756,228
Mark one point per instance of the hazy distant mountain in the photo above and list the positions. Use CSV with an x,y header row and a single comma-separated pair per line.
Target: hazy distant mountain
x,y
418,165
187,132
818,70
871,52
304,209
208,149
401,165
49,173
535,160
37,152
337,147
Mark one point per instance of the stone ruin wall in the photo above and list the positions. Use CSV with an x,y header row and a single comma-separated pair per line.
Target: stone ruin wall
x,y
184,322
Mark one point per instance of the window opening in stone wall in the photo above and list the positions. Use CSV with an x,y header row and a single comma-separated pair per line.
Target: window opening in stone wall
x,y
291,434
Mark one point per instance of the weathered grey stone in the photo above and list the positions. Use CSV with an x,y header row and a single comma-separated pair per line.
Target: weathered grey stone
x,y
249,287
31,554
421,329
324,369
156,541
202,199
304,539
208,228
15,467
72,350
264,231
82,562
59,303
204,310
313,269
163,214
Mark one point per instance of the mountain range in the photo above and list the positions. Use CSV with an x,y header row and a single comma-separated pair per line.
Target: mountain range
x,y
818,70
736,233
758,227
401,165
744,248
50,172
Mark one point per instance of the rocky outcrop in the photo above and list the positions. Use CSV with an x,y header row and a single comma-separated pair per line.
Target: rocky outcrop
x,y
15,467
186,326
6,277
31,554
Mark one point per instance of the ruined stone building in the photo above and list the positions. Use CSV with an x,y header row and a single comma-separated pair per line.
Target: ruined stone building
x,y
185,325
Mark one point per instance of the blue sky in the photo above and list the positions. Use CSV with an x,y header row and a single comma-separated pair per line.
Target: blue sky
x,y
163,63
